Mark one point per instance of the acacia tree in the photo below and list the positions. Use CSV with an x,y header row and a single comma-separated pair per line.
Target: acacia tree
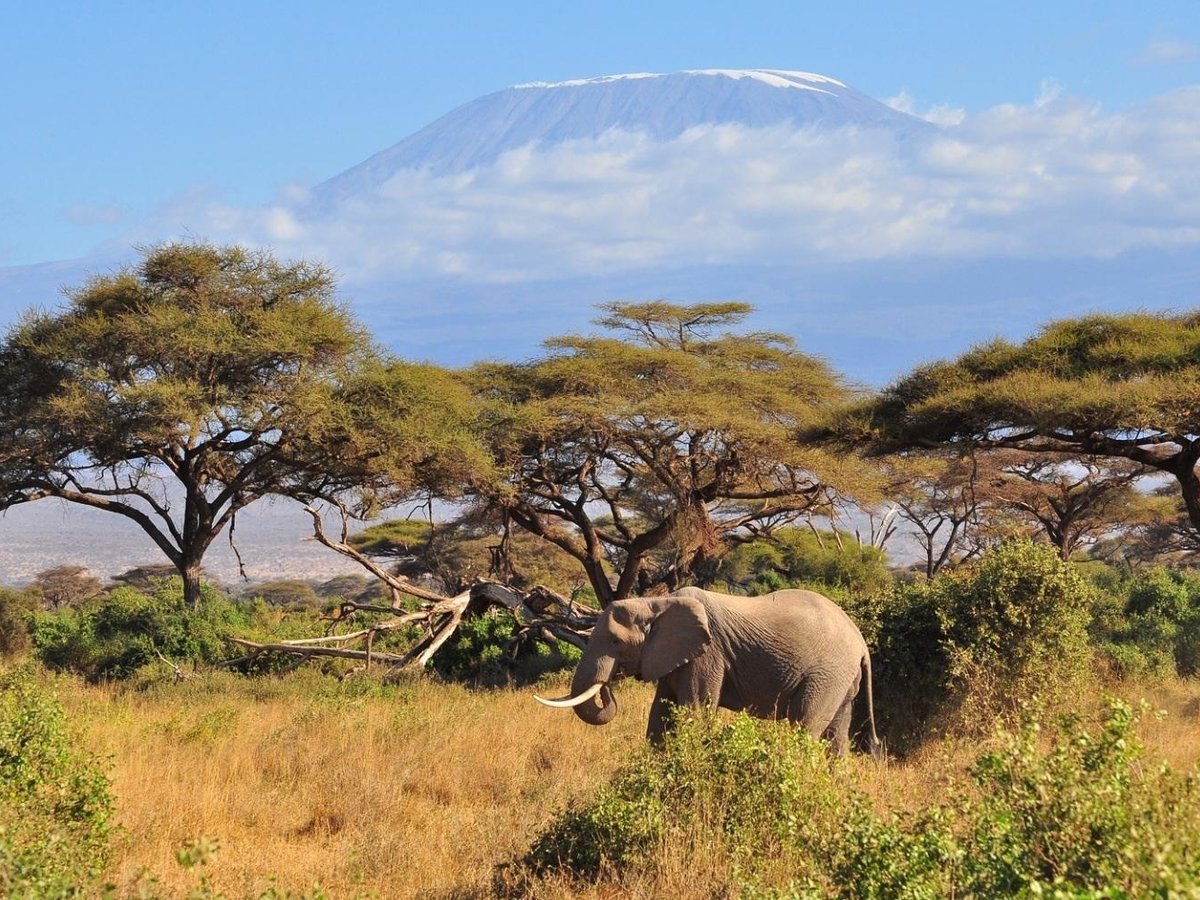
x,y
1072,502
644,452
938,496
177,392
1103,387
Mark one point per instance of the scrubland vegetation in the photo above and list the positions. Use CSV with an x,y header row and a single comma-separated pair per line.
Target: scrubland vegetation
x,y
1022,653
1043,739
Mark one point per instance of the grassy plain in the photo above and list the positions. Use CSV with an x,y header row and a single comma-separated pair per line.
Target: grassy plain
x,y
413,790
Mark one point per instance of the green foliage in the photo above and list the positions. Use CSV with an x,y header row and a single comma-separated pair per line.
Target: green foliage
x,y
975,642
763,788
15,610
797,557
114,635
1148,623
1069,812
1014,625
910,658
1081,817
483,652
55,805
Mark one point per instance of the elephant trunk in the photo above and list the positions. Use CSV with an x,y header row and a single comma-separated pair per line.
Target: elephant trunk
x,y
603,707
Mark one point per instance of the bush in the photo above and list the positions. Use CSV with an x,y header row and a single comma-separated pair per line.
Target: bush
x,y
55,803
1149,624
15,609
757,790
1014,625
1082,817
974,642
1074,813
114,635
481,653
910,657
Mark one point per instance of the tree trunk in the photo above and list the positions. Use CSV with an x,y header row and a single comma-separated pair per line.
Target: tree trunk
x,y
190,571
1189,484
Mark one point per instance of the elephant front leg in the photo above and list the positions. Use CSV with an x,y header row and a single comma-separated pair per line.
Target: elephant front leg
x,y
692,686
660,714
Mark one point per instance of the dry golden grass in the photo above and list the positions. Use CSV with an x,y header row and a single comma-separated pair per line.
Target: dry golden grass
x,y
416,794
420,793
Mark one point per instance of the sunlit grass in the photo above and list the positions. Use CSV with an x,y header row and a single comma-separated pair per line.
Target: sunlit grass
x,y
420,789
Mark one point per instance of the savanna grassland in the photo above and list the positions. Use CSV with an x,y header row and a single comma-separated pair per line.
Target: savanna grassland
x,y
1049,491
308,784
366,790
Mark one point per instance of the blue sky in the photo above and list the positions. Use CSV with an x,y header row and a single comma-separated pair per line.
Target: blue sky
x,y
112,111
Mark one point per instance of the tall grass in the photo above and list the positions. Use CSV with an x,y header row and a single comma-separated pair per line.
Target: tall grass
x,y
423,789
367,790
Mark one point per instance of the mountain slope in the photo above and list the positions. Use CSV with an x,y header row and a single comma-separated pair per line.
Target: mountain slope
x,y
659,106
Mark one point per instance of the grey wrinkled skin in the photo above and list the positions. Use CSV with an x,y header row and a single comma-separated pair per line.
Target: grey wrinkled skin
x,y
792,654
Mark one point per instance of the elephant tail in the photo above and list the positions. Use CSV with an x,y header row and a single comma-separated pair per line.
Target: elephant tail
x,y
874,744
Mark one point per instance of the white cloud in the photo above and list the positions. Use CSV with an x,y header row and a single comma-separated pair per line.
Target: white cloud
x,y
1166,52
1057,178
103,214
938,115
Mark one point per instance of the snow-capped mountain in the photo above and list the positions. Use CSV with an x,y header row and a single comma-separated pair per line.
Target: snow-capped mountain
x,y
661,106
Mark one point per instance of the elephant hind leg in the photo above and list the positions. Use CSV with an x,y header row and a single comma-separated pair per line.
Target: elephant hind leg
x,y
838,731
824,709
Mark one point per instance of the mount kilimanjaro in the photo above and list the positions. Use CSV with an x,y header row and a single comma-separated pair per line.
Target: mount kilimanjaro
x,y
659,106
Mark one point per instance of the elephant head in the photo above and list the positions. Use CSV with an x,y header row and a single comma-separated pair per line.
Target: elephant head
x,y
646,638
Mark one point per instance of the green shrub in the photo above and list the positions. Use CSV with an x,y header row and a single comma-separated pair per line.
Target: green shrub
x,y
765,790
1014,626
910,657
1071,812
972,643
114,635
481,653
1148,625
55,803
1082,817
15,609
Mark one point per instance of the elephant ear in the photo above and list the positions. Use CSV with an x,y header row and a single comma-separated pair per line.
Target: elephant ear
x,y
678,635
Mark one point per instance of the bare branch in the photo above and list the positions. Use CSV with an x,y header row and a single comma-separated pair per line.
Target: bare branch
x,y
396,582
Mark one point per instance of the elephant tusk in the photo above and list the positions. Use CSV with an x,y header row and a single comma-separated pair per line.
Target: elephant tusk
x,y
568,702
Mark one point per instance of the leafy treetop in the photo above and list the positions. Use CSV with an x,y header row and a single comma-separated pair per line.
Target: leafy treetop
x,y
1123,386
644,453
177,392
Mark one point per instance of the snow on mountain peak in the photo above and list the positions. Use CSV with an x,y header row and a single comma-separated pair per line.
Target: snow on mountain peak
x,y
659,106
579,82
775,77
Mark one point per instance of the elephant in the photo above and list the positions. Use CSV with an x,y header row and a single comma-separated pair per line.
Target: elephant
x,y
790,654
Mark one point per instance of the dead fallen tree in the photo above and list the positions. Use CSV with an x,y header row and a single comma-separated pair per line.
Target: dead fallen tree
x,y
539,615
